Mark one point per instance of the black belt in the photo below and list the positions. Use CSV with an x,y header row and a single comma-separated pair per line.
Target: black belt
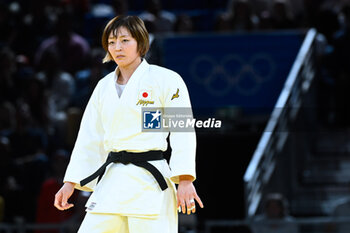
x,y
138,159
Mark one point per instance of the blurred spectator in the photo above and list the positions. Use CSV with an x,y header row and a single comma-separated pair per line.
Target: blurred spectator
x,y
27,165
341,41
341,209
308,17
36,97
31,171
39,12
45,211
278,17
20,37
102,10
74,115
5,173
2,208
154,54
120,7
275,218
7,117
24,137
71,47
162,20
87,79
281,16
7,24
60,87
239,16
327,22
99,14
79,7
340,64
7,72
184,24
265,20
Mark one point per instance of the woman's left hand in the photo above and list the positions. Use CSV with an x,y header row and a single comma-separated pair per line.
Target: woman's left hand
x,y
186,196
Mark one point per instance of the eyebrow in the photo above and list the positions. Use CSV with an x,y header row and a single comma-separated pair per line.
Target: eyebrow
x,y
113,37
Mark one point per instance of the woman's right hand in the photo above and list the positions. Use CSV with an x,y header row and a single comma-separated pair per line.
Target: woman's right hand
x,y
62,196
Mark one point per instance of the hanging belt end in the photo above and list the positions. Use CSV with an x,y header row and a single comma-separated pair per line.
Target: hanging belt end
x,y
83,182
163,185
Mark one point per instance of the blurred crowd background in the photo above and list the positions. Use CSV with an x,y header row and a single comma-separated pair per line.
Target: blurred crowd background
x,y
50,61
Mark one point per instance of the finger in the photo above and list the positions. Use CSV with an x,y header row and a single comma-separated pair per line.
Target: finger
x,y
192,202
57,202
64,202
183,207
68,206
199,201
193,206
58,206
189,206
178,202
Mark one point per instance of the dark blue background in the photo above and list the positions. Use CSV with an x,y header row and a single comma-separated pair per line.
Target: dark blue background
x,y
274,53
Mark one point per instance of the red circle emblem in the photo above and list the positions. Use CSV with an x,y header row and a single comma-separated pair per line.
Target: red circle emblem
x,y
144,95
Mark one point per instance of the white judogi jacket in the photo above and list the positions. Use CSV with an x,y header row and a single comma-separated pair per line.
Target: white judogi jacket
x,y
111,123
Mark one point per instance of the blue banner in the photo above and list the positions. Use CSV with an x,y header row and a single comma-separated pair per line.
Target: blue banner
x,y
243,70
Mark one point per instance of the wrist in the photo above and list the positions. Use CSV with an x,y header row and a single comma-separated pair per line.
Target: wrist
x,y
185,179
69,184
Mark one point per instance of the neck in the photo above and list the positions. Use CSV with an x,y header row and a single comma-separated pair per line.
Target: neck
x,y
126,71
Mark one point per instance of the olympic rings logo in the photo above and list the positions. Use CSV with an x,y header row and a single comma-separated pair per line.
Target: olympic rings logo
x,y
232,72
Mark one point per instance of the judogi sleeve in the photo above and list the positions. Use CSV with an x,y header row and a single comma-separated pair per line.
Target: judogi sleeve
x,y
183,144
88,153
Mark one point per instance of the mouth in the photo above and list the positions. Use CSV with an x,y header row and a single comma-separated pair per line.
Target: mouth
x,y
120,56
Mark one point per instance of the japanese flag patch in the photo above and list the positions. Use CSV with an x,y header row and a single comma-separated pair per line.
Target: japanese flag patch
x,y
145,95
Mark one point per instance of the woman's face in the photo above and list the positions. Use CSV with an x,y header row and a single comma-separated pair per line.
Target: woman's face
x,y
123,48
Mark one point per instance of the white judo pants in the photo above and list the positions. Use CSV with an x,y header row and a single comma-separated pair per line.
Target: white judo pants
x,y
166,222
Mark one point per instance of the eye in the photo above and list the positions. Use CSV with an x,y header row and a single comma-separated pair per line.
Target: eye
x,y
110,42
125,40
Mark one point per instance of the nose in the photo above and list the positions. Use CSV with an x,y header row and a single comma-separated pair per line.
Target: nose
x,y
118,46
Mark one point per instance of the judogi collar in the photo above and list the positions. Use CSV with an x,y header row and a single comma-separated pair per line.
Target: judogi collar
x,y
138,72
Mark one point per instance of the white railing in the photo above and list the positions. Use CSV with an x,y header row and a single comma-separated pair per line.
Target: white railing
x,y
275,135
